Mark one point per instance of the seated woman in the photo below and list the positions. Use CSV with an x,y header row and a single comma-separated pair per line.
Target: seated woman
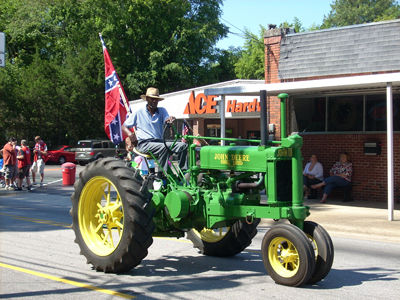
x,y
340,176
313,173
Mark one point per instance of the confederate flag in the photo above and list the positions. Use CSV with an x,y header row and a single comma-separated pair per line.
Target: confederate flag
x,y
115,111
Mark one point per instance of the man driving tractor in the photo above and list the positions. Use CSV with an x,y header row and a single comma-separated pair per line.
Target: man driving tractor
x,y
148,123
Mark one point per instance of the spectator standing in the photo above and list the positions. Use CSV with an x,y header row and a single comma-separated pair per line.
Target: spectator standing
x,y
10,159
39,155
24,165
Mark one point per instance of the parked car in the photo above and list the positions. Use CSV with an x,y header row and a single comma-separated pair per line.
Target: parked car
x,y
89,150
61,154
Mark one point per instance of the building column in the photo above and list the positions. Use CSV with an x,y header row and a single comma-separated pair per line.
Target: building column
x,y
389,132
222,117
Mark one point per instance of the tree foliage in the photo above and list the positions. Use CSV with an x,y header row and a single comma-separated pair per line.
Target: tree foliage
x,y
350,12
250,64
53,83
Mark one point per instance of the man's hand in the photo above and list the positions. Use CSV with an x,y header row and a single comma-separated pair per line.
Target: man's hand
x,y
170,120
131,140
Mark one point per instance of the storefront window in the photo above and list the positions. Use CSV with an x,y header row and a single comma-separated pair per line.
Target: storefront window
x,y
345,113
375,119
310,114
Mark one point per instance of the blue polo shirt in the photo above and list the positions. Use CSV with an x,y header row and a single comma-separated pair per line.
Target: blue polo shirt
x,y
147,126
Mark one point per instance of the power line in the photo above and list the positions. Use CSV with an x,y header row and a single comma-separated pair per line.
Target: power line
x,y
250,35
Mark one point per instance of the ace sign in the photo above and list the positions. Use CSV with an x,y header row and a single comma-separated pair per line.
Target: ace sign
x,y
2,49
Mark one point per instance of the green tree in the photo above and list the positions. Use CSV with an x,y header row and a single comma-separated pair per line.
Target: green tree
x,y
296,25
349,12
53,83
251,62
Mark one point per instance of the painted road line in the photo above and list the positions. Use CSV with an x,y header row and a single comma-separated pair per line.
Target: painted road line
x,y
57,169
51,182
67,281
39,221
44,184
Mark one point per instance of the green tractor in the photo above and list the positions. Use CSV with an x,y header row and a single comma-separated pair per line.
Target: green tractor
x,y
217,204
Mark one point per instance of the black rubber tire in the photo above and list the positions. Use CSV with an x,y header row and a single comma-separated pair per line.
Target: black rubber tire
x,y
61,160
138,224
81,163
304,249
324,259
235,240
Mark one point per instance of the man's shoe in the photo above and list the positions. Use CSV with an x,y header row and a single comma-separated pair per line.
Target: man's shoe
x,y
41,184
19,189
29,187
34,183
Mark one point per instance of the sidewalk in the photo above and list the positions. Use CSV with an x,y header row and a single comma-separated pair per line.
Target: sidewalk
x,y
357,219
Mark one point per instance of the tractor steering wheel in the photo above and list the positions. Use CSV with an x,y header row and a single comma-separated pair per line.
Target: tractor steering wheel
x,y
169,126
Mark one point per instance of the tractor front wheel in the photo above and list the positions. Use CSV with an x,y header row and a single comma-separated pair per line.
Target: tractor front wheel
x,y
224,241
288,255
111,218
323,249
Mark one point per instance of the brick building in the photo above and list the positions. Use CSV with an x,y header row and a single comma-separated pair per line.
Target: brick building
x,y
340,119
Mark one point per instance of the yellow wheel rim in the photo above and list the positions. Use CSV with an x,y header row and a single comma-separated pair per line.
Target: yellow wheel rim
x,y
314,245
212,235
283,257
100,215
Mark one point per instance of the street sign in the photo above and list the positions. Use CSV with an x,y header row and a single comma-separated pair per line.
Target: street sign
x,y
2,49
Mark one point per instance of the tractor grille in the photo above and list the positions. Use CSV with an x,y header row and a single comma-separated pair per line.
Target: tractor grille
x,y
284,180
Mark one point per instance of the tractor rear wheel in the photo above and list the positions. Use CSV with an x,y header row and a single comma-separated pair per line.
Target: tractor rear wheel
x,y
111,218
224,241
323,248
288,255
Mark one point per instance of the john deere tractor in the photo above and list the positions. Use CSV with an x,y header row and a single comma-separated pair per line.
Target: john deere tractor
x,y
217,203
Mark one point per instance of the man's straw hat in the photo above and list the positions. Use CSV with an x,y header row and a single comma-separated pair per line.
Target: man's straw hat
x,y
153,93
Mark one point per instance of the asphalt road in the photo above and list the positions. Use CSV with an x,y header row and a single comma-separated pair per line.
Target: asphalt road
x,y
39,260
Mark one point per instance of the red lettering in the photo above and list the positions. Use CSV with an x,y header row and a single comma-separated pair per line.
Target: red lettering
x,y
200,109
190,108
210,108
230,107
258,105
239,107
245,106
252,106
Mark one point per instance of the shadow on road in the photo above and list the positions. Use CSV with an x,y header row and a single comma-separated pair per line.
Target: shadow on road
x,y
337,279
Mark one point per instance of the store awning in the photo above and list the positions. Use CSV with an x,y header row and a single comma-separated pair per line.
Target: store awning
x,y
308,86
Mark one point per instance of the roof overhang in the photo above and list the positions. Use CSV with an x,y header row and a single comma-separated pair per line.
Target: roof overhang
x,y
378,81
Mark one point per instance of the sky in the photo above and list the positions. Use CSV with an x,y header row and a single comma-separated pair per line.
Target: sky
x,y
250,14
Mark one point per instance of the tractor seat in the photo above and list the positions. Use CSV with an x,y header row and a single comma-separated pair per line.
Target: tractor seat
x,y
145,155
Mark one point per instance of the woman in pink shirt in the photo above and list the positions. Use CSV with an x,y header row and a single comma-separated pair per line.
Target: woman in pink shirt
x,y
340,176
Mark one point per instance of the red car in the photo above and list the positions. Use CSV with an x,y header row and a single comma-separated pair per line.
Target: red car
x,y
61,155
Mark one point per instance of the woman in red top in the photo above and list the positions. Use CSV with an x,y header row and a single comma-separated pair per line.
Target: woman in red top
x,y
24,164
340,176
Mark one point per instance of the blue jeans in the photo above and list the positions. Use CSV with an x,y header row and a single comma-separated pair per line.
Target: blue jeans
x,y
334,181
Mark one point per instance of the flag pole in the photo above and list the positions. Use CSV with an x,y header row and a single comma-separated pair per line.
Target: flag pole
x,y
124,99
121,93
